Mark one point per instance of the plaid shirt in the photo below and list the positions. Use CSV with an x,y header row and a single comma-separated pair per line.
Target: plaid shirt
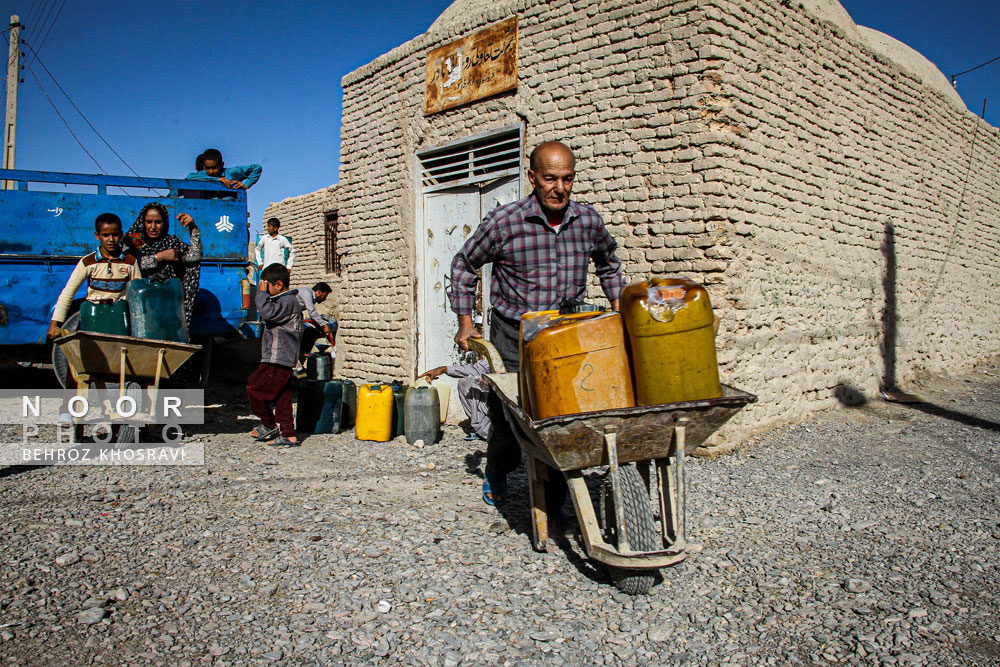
x,y
535,267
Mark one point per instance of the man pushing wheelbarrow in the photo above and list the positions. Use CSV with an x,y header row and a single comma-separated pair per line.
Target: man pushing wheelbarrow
x,y
541,247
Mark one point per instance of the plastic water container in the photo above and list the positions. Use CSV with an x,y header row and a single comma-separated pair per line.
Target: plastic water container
x,y
319,366
575,362
310,403
374,420
110,318
349,410
398,408
671,333
444,394
331,410
423,411
157,309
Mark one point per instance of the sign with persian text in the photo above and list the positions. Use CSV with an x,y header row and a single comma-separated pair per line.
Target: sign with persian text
x,y
472,68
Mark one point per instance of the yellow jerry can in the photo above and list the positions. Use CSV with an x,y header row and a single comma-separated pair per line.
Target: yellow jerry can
x,y
374,417
574,362
670,329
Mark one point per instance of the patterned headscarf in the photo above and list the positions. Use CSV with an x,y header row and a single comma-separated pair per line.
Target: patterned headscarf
x,y
189,274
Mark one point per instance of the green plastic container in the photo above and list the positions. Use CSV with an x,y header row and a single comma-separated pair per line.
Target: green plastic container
x,y
398,408
109,318
423,410
331,406
309,406
157,309
349,412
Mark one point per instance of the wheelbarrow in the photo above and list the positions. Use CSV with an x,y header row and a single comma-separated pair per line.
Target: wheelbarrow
x,y
641,523
97,359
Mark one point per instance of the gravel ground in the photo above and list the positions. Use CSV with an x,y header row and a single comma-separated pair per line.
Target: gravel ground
x,y
867,535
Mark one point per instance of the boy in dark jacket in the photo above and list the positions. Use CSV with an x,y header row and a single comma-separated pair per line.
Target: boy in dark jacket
x,y
271,383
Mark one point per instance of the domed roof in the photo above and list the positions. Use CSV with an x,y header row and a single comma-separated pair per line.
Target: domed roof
x,y
834,12
890,48
460,11
912,61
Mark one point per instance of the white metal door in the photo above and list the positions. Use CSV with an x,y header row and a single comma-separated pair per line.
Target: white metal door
x,y
450,217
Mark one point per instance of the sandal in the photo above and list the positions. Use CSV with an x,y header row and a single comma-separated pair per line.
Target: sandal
x,y
260,433
494,487
282,441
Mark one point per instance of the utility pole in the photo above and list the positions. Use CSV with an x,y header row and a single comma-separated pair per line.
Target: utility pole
x,y
13,75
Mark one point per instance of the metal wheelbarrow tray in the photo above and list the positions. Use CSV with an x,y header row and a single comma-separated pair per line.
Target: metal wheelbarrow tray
x,y
95,359
656,437
102,355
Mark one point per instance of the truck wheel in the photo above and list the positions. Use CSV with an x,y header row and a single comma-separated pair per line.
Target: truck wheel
x,y
640,527
204,360
59,363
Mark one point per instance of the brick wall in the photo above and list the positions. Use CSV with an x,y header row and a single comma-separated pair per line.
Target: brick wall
x,y
823,194
302,219
860,209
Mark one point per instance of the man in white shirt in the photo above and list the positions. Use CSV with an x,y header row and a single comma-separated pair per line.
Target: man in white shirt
x,y
273,248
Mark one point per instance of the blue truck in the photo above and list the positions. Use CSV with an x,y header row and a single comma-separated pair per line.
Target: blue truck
x,y
45,228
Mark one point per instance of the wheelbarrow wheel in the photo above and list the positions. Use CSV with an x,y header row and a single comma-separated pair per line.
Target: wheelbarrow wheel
x,y
640,527
128,434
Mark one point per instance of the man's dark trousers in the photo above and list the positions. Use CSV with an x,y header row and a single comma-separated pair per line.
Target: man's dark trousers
x,y
502,451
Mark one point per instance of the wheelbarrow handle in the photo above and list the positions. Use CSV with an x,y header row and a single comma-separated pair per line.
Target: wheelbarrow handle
x,y
486,349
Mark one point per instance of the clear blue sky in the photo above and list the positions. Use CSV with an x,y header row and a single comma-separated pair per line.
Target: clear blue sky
x,y
955,35
164,79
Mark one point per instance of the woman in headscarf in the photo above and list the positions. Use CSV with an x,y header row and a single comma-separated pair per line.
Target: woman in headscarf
x,y
163,256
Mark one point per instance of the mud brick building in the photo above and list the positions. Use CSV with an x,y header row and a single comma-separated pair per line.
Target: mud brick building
x,y
311,223
822,179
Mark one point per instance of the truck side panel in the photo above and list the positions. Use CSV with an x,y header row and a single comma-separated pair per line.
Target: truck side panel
x,y
44,233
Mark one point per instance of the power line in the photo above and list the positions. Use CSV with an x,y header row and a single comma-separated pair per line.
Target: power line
x,y
91,125
29,18
45,18
56,109
49,31
40,18
953,76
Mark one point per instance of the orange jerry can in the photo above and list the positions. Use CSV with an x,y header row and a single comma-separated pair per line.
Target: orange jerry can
x,y
671,334
574,362
374,417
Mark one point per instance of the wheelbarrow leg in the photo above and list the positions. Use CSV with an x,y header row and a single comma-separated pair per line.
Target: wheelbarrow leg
x,y
584,506
154,392
82,389
537,477
667,491
611,444
121,372
679,432
672,492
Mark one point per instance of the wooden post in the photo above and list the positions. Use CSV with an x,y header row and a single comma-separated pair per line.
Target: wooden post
x,y
13,76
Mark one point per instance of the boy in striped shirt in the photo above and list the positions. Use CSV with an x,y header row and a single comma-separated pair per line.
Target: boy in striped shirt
x,y
107,271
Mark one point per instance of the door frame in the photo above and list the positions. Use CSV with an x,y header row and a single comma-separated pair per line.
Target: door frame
x,y
420,230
